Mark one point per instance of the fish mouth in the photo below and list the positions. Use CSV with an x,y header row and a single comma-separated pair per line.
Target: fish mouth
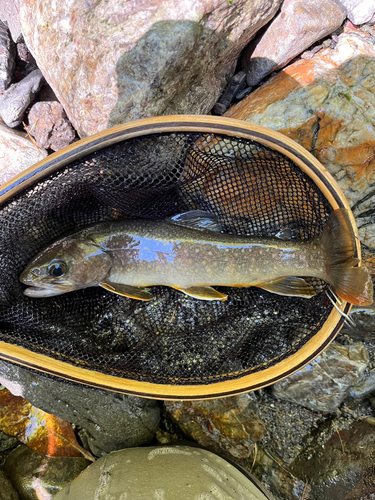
x,y
38,291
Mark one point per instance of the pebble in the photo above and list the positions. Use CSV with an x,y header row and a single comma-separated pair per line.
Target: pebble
x,y
49,125
15,101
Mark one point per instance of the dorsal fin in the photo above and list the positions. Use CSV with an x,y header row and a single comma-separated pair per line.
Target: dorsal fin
x,y
197,219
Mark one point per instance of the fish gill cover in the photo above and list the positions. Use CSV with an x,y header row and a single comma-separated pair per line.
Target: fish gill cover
x,y
173,339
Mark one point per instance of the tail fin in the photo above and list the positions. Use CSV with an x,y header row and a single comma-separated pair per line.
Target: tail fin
x,y
350,283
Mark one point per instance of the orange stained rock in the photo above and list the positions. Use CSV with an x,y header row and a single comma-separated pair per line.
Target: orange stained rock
x,y
40,431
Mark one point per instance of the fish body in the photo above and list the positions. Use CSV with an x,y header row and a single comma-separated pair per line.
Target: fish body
x,y
190,253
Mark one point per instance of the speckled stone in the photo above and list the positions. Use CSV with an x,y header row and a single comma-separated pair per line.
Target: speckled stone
x,y
111,62
162,473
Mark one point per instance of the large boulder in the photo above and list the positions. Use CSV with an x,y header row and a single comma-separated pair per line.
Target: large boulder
x,y
327,104
112,62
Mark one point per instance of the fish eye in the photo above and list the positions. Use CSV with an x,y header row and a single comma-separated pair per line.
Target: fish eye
x,y
57,268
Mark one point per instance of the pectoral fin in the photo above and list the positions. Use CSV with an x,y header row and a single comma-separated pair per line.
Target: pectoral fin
x,y
290,285
133,292
202,293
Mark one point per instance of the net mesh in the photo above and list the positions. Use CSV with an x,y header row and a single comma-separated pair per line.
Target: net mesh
x,y
173,339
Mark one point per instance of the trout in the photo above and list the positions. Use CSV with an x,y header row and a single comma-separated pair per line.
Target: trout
x,y
189,252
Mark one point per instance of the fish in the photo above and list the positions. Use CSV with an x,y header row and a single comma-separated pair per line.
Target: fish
x,y
191,252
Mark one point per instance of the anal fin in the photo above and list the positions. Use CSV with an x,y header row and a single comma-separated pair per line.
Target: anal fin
x,y
133,292
202,293
289,285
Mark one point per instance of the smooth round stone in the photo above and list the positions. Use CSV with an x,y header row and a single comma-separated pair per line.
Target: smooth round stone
x,y
162,473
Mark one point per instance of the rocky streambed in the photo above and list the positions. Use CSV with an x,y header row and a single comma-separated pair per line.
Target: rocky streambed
x,y
69,70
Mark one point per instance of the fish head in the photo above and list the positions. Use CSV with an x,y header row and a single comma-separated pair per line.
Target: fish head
x,y
69,264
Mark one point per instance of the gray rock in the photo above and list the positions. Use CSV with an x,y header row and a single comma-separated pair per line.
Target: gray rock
x,y
168,57
9,13
294,29
17,153
359,11
49,125
165,473
7,492
34,475
323,384
15,101
365,387
7,58
111,421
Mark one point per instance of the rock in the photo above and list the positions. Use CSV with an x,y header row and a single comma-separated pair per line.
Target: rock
x,y
49,125
111,421
364,318
15,101
228,426
9,14
7,442
298,25
327,104
34,475
168,57
165,473
7,58
17,153
359,11
323,384
365,387
342,466
7,492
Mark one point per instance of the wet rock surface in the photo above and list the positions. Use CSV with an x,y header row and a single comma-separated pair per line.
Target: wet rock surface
x,y
7,492
110,421
36,476
298,25
49,126
15,101
342,466
17,153
324,384
228,426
